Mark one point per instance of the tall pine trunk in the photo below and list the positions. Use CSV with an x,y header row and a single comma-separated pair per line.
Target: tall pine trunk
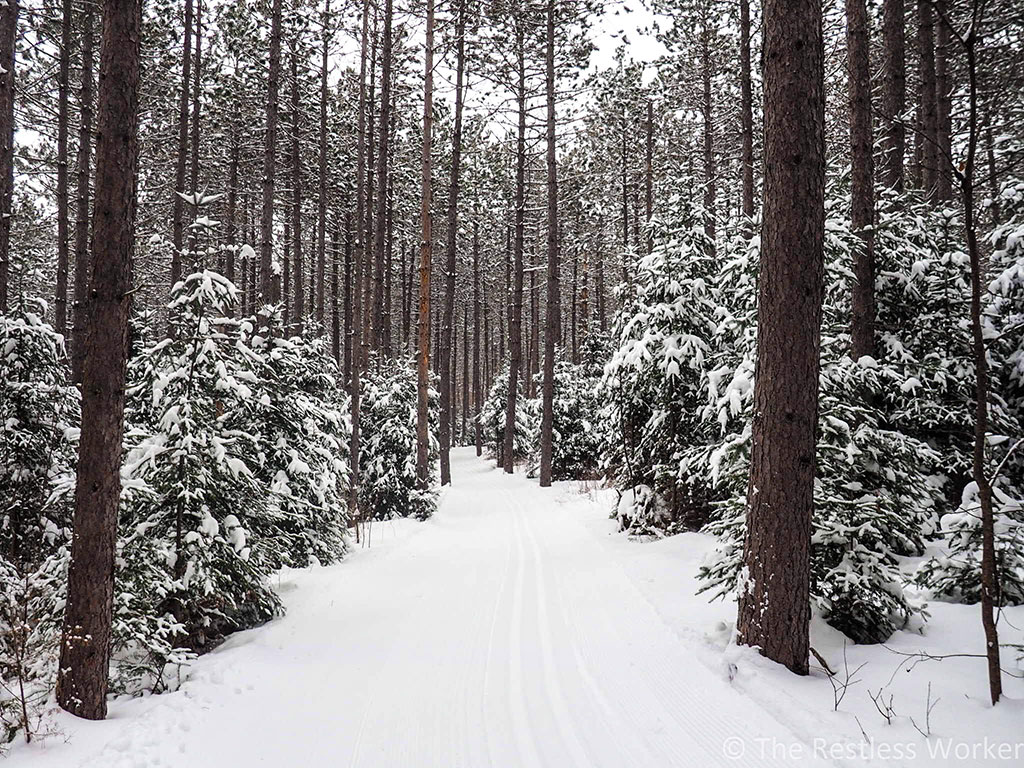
x,y
85,644
515,325
894,93
426,250
300,292
8,35
928,136
971,42
63,214
477,391
181,167
710,182
943,107
862,207
774,602
553,297
270,281
355,317
80,307
321,208
381,216
447,395
746,115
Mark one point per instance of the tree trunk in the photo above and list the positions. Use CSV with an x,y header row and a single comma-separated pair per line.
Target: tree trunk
x,y
85,646
370,342
989,573
553,297
426,249
381,220
447,396
82,261
347,313
355,318
197,88
8,62
232,207
335,316
465,371
515,333
300,289
774,607
60,322
477,391
321,211
894,93
746,116
710,181
178,214
943,107
862,207
270,281
928,137
649,182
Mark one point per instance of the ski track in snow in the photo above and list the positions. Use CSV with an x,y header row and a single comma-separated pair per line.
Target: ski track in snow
x,y
501,633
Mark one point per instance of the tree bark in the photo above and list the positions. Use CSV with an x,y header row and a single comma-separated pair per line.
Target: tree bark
x,y
710,182
943,107
8,63
447,396
80,308
862,207
178,214
232,206
355,318
553,297
477,391
60,322
85,645
894,93
465,371
383,150
746,117
335,316
321,210
648,187
774,607
347,309
515,337
989,573
928,135
300,289
426,249
197,89
270,281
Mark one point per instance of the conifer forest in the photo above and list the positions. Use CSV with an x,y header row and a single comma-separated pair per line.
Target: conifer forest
x,y
511,383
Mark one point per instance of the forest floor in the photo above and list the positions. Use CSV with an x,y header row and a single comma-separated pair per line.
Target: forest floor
x,y
517,628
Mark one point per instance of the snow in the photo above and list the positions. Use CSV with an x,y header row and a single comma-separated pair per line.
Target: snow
x,y
517,627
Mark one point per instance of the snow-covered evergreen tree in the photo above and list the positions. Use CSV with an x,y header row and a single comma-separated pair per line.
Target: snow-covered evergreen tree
x,y
576,438
387,458
492,420
198,530
300,417
655,385
39,418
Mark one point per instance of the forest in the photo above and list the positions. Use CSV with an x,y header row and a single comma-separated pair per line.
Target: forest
x,y
741,281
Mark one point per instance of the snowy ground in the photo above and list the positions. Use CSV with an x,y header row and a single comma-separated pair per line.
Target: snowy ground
x,y
517,628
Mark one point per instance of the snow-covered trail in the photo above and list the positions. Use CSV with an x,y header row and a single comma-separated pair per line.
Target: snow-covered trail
x,y
501,633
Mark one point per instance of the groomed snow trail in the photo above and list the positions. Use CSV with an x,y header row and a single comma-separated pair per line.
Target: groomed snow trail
x,y
501,633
